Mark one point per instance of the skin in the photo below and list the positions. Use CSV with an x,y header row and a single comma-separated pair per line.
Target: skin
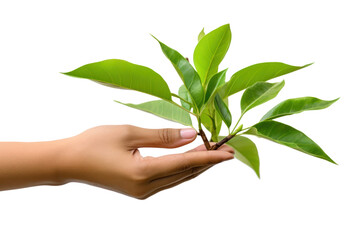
x,y
108,157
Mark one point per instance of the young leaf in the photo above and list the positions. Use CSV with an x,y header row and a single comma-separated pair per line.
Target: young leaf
x,y
288,136
183,93
163,109
296,105
201,35
217,80
122,74
210,51
187,73
260,72
223,110
259,93
245,151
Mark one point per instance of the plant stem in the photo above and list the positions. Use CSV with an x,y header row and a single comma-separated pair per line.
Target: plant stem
x,y
205,140
223,141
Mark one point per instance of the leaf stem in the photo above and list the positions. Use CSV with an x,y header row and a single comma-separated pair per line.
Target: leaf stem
x,y
177,96
237,123
182,108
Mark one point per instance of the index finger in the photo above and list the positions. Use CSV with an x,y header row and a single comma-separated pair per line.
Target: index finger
x,y
175,163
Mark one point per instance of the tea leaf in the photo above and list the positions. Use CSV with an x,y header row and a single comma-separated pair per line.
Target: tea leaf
x,y
288,136
245,151
187,73
260,72
183,92
223,110
201,35
259,93
164,110
296,105
217,80
210,51
122,74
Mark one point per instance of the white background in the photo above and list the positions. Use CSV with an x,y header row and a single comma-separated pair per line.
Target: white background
x,y
297,197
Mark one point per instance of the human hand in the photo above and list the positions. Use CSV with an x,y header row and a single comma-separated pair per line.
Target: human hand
x,y
108,157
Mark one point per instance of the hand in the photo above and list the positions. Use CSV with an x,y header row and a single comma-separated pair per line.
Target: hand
x,y
108,157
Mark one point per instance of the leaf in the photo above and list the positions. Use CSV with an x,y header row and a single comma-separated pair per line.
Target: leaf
x,y
245,151
163,109
183,92
259,93
223,110
296,105
210,51
288,136
217,80
187,73
119,73
201,34
260,72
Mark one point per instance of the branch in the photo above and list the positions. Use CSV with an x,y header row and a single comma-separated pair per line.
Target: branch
x,y
223,141
205,140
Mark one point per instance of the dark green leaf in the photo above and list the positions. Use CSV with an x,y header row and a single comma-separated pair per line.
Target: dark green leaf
x,y
163,109
260,72
217,80
245,151
296,105
288,136
210,51
201,34
223,110
187,73
183,93
259,93
122,74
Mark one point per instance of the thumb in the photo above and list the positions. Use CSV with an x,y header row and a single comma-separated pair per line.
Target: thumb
x,y
162,138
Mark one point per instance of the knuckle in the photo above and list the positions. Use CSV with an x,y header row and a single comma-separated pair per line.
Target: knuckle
x,y
126,131
166,136
141,172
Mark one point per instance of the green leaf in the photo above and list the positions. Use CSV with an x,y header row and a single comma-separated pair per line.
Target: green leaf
x,y
187,73
217,80
163,109
122,74
183,93
201,34
245,151
296,105
260,72
288,136
210,51
223,110
259,93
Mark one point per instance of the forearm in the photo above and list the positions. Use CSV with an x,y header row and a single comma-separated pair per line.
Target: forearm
x,y
29,164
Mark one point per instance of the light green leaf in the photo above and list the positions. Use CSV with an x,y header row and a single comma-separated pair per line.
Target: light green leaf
x,y
201,34
260,72
183,93
187,73
217,80
288,136
259,93
223,110
245,151
122,74
163,109
296,105
210,51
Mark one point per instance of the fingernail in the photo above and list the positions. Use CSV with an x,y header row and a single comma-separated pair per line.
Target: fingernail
x,y
188,133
